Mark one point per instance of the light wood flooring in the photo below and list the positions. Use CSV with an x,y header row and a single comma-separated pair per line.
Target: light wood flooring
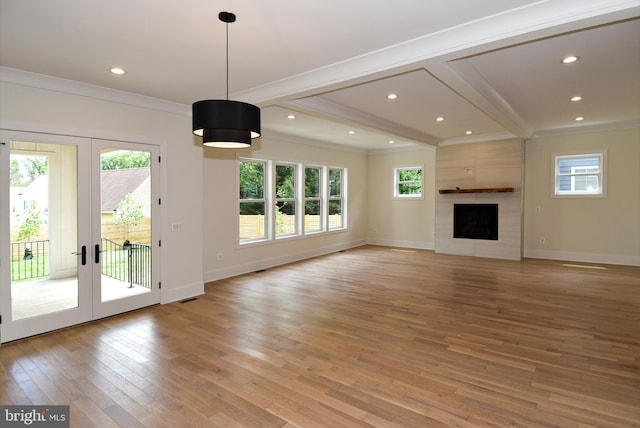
x,y
367,337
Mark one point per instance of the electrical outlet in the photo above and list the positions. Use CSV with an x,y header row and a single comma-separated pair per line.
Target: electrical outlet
x,y
176,226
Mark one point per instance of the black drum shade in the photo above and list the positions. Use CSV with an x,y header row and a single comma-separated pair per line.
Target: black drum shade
x,y
226,123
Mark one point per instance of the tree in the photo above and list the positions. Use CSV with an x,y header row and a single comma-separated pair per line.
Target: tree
x,y
36,166
252,187
16,178
31,225
124,159
128,214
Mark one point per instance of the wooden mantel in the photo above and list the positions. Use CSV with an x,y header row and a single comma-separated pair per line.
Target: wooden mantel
x,y
486,190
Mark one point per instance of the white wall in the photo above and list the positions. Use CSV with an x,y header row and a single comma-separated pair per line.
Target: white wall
x,y
394,222
27,108
201,194
604,230
220,211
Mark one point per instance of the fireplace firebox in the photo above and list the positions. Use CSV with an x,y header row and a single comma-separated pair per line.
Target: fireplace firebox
x,y
475,221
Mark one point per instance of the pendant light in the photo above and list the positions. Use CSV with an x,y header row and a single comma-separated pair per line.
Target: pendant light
x,y
225,123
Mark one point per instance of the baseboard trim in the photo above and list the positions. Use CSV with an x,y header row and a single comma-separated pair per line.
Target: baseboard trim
x,y
215,275
184,292
583,257
420,245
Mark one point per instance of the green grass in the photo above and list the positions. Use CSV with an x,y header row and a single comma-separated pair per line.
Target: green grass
x,y
28,270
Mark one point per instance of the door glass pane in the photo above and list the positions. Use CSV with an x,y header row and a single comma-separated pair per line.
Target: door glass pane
x,y
125,199
43,229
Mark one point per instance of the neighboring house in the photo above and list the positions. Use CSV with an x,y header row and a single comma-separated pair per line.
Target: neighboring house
x,y
117,183
16,204
21,199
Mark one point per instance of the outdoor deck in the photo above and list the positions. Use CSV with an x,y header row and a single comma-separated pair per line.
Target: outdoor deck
x,y
46,296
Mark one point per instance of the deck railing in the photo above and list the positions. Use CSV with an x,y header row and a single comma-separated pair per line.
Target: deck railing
x,y
130,262
29,260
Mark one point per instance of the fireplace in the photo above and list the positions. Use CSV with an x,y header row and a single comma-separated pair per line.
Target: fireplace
x,y
475,221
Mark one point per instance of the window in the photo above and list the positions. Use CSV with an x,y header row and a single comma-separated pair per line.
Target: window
x,y
252,201
286,200
273,205
408,182
312,199
579,175
336,200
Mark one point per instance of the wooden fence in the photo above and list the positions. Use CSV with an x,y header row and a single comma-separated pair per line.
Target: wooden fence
x,y
140,233
252,226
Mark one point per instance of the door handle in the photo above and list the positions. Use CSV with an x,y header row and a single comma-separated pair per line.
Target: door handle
x,y
96,253
83,254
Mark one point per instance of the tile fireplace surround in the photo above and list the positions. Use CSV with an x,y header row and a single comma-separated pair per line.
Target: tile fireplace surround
x,y
495,170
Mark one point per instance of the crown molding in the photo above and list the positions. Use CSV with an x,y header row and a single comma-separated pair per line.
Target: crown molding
x,y
340,112
41,81
497,136
587,129
293,139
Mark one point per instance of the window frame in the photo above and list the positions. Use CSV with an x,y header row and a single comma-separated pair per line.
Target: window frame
x,y
396,183
271,199
601,174
266,189
321,198
342,198
295,199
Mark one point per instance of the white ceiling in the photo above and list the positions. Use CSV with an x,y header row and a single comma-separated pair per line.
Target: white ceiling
x,y
491,67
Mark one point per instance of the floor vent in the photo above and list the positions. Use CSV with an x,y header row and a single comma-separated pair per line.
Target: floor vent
x,y
188,300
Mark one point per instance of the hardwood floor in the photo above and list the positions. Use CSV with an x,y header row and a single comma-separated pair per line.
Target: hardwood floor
x,y
367,337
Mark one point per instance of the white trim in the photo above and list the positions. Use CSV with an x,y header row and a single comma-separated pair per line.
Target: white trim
x,y
41,81
426,245
294,139
410,197
496,136
217,274
583,257
518,25
587,129
602,154
186,291
341,113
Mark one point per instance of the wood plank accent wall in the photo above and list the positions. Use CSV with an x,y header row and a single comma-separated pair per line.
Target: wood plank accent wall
x,y
496,164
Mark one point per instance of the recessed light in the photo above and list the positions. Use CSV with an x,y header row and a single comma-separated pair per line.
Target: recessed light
x,y
570,59
391,142
469,132
118,70
576,98
352,132
579,119
392,96
440,119
291,116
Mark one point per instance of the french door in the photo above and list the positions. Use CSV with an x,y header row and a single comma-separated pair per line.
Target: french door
x,y
77,221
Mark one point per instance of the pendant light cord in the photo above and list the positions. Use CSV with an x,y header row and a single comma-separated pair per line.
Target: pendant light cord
x,y
227,26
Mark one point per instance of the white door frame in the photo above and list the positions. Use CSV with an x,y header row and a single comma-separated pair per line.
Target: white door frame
x,y
89,301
